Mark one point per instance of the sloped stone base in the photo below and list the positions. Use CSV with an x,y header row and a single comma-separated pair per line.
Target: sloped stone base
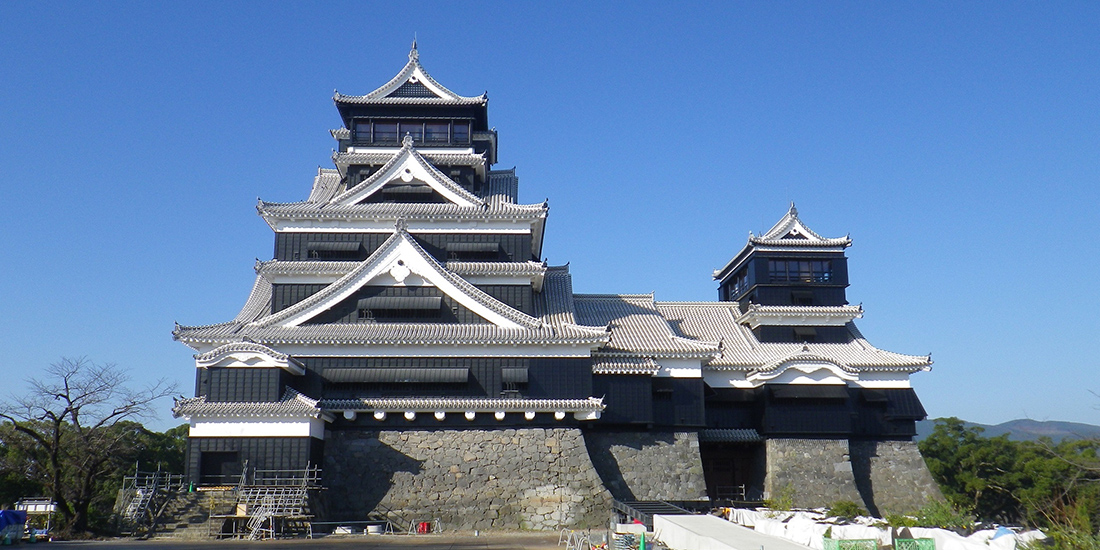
x,y
539,479
882,476
649,465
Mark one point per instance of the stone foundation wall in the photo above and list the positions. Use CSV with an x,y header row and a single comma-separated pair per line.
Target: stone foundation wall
x,y
649,465
540,479
898,481
882,476
814,472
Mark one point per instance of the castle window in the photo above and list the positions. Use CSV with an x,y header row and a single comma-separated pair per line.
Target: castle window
x,y
473,251
362,130
414,129
334,250
385,132
399,308
800,271
805,334
462,132
436,132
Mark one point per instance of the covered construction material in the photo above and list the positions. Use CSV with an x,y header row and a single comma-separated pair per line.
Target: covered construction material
x,y
701,532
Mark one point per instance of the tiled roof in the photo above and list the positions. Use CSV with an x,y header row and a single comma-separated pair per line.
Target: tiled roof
x,y
788,232
755,314
461,404
389,212
415,73
554,305
624,365
743,435
465,269
637,327
340,133
258,303
345,159
325,185
498,268
305,267
292,405
385,334
243,346
740,350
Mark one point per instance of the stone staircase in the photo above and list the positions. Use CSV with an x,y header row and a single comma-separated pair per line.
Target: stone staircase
x,y
185,517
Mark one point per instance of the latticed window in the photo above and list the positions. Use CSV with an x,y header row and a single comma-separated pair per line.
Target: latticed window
x,y
800,271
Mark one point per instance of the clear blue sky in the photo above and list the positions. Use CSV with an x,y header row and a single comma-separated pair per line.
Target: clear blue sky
x,y
957,142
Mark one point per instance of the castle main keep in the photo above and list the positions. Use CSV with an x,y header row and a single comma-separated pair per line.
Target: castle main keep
x,y
407,338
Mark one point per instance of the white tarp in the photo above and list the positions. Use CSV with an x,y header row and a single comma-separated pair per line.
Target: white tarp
x,y
713,533
808,529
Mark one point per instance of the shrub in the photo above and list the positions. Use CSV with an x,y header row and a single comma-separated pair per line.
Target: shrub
x,y
846,509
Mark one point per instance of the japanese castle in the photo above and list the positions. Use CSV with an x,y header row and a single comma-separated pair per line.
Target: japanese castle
x,y
408,339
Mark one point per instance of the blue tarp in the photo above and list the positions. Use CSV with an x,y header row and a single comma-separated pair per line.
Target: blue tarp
x,y
12,517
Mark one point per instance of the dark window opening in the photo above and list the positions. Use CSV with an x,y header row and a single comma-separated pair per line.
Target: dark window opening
x,y
435,132
334,250
412,193
414,129
662,395
400,308
473,252
802,298
362,131
462,132
385,132
800,271
805,334
738,285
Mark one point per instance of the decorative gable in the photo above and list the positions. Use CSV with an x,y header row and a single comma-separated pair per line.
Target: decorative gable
x,y
408,169
400,261
790,230
412,85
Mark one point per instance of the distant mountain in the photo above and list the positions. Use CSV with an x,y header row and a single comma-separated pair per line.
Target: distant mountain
x,y
1025,430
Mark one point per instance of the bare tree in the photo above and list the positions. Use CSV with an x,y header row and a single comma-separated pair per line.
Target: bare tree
x,y
79,416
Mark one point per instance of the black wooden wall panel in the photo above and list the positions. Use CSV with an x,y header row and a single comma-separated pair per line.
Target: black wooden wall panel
x,y
560,378
628,398
294,246
243,384
262,453
286,295
347,310
519,297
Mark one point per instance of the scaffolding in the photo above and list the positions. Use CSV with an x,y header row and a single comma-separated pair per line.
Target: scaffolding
x,y
268,504
142,498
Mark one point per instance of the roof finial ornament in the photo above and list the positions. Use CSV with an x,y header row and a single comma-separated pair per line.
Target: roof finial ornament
x,y
401,225
407,141
793,211
413,54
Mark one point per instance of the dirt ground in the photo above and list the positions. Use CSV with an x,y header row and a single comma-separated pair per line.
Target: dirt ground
x,y
486,541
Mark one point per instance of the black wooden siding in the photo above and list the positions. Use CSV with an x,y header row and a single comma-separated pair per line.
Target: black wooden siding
x,y
347,311
824,335
760,290
286,295
520,297
262,453
241,384
547,377
628,398
816,411
295,246
678,402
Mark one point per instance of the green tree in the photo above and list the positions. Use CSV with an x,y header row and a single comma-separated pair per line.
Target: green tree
x,y
77,431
